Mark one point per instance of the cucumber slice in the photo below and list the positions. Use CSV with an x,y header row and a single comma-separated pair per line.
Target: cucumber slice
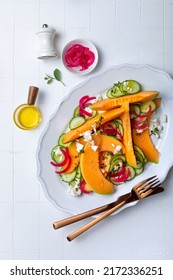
x,y
139,154
132,172
76,112
61,142
109,93
57,157
53,153
139,157
94,113
78,172
119,125
130,86
115,91
139,170
139,165
68,177
76,122
135,111
145,107
117,160
72,183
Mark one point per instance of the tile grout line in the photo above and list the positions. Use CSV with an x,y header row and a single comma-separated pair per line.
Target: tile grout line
x,y
13,253
164,49
139,51
38,208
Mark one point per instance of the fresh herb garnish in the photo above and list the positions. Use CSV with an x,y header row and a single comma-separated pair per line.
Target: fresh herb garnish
x,y
56,76
155,131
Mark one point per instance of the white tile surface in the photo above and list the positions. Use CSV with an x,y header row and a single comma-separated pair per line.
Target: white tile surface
x,y
25,181
26,215
25,240
124,31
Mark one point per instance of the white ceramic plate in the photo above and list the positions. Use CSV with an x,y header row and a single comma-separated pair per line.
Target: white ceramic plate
x,y
150,79
85,43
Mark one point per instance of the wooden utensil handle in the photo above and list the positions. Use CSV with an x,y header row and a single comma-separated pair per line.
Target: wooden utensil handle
x,y
79,217
94,222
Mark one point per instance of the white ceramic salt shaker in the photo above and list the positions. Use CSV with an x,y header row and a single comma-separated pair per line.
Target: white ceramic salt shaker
x,y
46,48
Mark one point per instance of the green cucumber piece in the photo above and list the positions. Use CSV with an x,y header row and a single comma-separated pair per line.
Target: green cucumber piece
x,y
145,107
130,86
135,110
139,157
132,172
72,183
61,142
117,160
53,154
68,177
94,113
76,122
139,167
78,172
139,170
76,112
56,157
119,125
139,154
109,93
115,91
139,164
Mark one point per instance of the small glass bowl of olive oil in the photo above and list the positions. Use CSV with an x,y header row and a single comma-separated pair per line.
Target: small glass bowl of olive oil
x,y
27,116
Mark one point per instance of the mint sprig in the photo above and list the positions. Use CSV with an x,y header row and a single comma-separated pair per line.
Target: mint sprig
x,y
56,76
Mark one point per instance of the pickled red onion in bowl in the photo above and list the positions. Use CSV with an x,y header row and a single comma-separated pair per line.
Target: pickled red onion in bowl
x,y
80,56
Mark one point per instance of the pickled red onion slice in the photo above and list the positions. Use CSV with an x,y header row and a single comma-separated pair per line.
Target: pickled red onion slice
x,y
123,177
83,102
78,55
66,157
119,173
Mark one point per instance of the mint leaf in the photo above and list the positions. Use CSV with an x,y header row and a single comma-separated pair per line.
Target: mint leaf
x,y
57,75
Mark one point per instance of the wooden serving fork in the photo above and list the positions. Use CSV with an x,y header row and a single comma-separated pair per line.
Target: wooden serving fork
x,y
139,191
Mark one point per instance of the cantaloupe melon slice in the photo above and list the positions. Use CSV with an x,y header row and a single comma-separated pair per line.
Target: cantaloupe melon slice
x,y
91,172
108,104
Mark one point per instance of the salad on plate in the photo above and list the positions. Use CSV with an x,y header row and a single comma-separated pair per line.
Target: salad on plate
x,y
108,139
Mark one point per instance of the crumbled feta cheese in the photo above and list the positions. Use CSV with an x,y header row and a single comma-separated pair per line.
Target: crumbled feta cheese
x,y
75,190
79,146
89,110
98,98
93,146
139,130
57,151
156,125
102,170
94,128
117,149
87,135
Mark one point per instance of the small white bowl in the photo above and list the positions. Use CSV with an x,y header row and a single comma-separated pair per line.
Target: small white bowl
x,y
85,43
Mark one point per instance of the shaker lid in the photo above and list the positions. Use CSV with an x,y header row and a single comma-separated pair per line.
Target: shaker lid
x,y
45,28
